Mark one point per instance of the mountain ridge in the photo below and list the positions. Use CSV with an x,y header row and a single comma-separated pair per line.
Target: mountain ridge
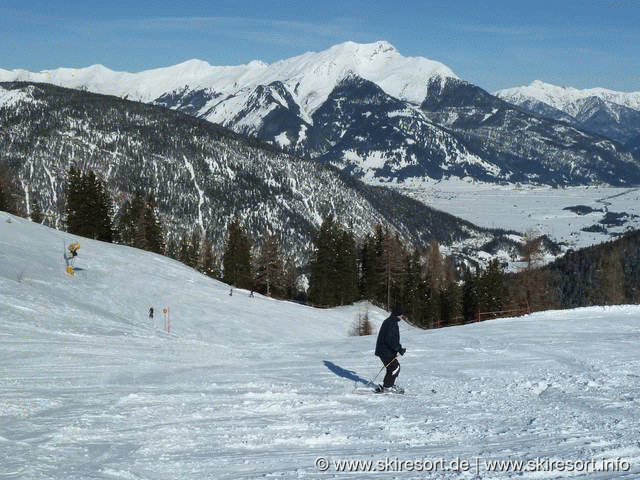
x,y
311,75
605,112
201,174
302,106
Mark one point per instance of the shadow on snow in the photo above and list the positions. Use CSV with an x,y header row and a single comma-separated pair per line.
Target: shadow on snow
x,y
348,374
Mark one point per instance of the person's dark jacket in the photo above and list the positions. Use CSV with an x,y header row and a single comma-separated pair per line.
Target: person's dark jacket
x,y
388,343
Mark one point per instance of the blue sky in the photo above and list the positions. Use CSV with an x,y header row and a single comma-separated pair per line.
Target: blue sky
x,y
494,44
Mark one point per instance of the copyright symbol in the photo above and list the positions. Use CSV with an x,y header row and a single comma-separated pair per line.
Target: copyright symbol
x,y
322,464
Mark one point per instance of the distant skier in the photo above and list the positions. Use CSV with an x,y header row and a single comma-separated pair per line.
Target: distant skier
x,y
388,347
151,313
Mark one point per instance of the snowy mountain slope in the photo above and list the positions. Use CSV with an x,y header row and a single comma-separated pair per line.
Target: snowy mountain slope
x,y
395,143
202,175
250,387
606,112
527,148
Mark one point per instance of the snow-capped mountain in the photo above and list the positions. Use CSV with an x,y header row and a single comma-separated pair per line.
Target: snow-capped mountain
x,y
568,99
309,78
605,112
528,148
201,174
370,110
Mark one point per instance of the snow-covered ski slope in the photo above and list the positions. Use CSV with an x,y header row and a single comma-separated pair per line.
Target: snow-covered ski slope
x,y
244,388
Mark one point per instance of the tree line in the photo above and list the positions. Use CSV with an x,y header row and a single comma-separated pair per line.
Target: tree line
x,y
343,269
433,288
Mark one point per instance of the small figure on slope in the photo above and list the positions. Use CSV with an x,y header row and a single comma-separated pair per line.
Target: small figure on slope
x,y
387,349
69,256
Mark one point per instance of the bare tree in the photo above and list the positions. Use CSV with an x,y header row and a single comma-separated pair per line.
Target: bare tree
x,y
531,291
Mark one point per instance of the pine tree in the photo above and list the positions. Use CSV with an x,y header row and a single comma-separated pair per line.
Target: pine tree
x,y
89,208
435,275
270,277
370,279
414,288
104,230
470,307
183,249
192,251
135,217
37,215
207,259
7,189
138,225
236,260
74,201
290,278
608,283
451,295
346,268
334,268
491,289
391,267
154,241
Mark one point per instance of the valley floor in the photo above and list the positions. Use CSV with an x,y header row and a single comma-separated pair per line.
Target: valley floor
x,y
604,211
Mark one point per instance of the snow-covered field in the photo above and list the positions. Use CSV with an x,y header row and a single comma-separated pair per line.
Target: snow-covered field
x,y
244,388
540,210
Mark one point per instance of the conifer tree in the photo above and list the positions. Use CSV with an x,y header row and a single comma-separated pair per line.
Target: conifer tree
x,y
346,268
183,248
470,307
414,288
323,275
154,241
491,289
172,249
434,268
608,282
37,215
74,201
89,208
370,280
392,266
290,277
451,295
192,251
531,292
207,259
334,268
104,230
236,260
270,278
139,226
8,191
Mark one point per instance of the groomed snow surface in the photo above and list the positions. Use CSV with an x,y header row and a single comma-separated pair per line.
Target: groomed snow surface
x,y
245,388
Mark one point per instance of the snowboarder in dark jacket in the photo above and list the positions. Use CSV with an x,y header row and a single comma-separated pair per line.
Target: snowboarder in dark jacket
x,y
388,347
